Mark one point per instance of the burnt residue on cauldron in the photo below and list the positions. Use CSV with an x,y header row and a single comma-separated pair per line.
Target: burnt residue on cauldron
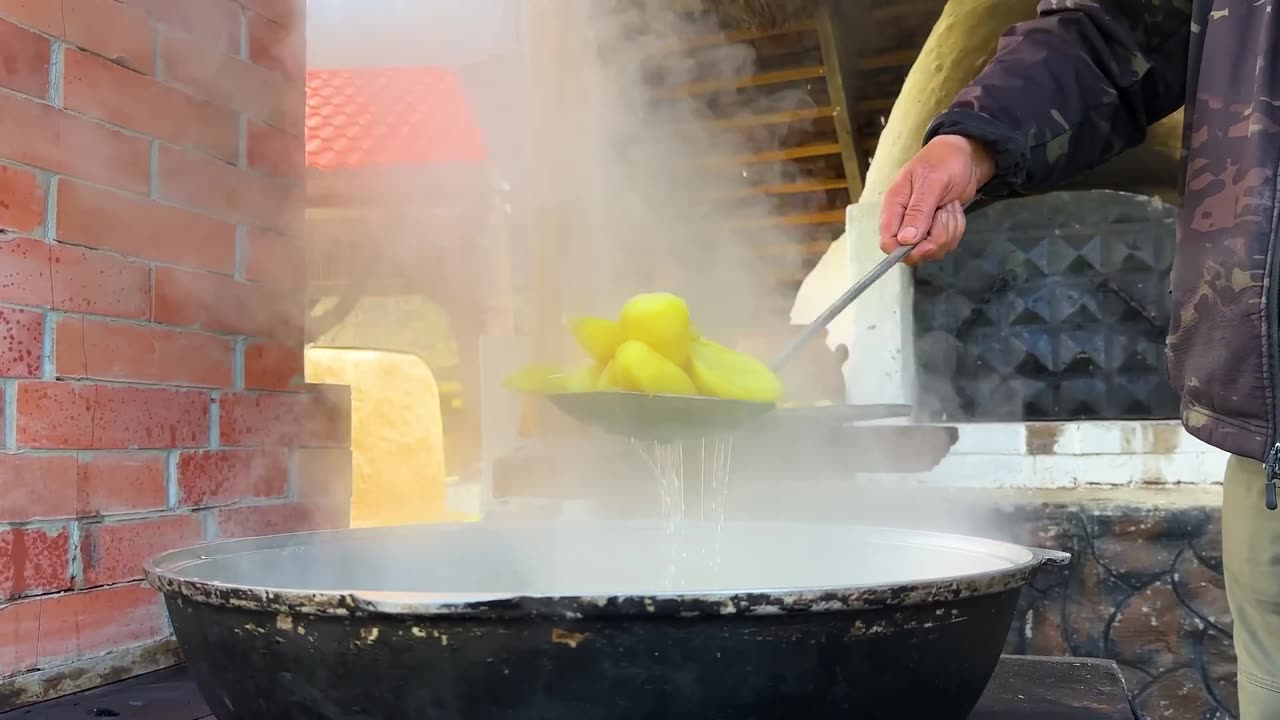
x,y
356,604
877,652
184,574
869,664
560,636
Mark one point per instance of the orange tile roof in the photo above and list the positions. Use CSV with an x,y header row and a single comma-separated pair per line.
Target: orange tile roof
x,y
383,117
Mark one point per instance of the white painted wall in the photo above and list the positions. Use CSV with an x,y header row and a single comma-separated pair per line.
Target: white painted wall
x,y
376,33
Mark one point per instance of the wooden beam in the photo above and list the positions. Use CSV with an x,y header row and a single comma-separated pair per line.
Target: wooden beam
x,y
774,77
782,117
795,153
739,36
846,130
791,188
825,217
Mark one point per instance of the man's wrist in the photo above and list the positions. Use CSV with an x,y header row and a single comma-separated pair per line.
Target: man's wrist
x,y
997,154
981,158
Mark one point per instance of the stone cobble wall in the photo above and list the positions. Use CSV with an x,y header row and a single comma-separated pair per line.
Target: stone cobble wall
x,y
1145,589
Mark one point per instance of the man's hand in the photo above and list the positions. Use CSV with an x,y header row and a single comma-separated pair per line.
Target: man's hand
x,y
923,206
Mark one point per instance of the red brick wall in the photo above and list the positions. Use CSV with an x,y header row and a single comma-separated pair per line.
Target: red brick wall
x,y
150,309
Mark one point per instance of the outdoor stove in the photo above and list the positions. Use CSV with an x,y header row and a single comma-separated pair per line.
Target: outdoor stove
x,y
622,620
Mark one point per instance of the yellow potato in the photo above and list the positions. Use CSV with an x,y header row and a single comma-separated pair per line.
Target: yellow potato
x,y
597,336
661,321
724,373
609,377
643,369
581,379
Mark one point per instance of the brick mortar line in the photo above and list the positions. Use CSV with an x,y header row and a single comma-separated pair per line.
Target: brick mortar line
x,y
91,455
76,557
237,364
150,451
215,420
136,516
183,90
159,200
143,384
242,142
163,202
90,379
46,525
170,386
206,389
133,133
54,525
58,524
206,45
48,340
112,320
265,120
172,491
244,34
291,478
208,525
74,591
241,252
48,368
51,206
158,69
174,508
154,263
10,413
151,302
161,29
139,261
255,501
57,58
153,169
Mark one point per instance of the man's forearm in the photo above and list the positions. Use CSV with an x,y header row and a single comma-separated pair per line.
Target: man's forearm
x,y
1072,88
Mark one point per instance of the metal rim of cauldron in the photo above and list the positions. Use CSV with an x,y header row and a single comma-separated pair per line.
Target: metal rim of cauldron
x,y
164,573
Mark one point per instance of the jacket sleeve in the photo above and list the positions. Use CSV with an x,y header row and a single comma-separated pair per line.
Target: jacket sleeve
x,y
1072,88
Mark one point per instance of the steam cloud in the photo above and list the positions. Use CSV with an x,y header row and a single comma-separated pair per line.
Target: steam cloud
x,y
651,195
630,186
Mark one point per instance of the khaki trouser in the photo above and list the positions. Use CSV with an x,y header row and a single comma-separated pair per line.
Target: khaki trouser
x,y
1251,554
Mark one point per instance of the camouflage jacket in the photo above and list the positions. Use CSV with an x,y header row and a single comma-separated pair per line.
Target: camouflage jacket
x,y
1081,83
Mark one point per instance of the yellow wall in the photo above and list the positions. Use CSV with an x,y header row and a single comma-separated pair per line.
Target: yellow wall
x,y
397,439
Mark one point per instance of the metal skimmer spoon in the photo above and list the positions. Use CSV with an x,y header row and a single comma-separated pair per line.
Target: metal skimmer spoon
x,y
671,417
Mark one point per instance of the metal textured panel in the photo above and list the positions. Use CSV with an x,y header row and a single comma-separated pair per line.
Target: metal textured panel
x,y
1054,307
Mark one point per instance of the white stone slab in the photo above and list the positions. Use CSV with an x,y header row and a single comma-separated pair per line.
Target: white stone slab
x,y
1073,455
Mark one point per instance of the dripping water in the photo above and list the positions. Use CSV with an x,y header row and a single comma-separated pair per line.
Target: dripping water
x,y
693,489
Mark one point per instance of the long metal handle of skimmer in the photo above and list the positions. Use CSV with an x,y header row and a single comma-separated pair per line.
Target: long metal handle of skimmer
x,y
844,300
839,305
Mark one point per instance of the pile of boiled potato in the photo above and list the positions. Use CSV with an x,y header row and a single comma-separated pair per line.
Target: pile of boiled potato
x,y
652,348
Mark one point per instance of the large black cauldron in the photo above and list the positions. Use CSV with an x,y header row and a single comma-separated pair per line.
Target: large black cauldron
x,y
480,622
